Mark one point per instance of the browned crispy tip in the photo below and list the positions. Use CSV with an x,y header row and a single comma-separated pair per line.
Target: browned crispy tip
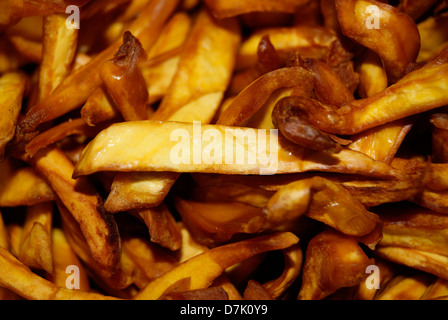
x,y
289,118
124,81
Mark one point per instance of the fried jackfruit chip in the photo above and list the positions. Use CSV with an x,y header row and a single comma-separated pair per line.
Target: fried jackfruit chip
x,y
332,261
12,88
86,79
83,202
217,259
291,158
114,159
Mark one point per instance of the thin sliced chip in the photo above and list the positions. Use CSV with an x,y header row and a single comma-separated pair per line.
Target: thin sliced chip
x,y
332,261
382,142
317,198
157,149
59,47
293,259
217,260
403,99
61,131
86,79
408,288
22,186
433,36
64,258
212,44
151,260
162,226
12,88
426,261
217,59
414,227
138,190
123,79
36,248
81,198
398,47
18,278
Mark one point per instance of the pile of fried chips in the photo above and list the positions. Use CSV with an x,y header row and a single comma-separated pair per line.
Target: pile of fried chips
x,y
350,94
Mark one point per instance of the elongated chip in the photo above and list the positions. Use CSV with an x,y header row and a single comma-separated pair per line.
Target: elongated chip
x,y
84,204
12,87
59,46
36,247
216,260
123,79
33,187
166,153
18,278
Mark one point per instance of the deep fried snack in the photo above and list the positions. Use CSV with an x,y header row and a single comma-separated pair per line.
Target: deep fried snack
x,y
398,47
212,44
267,60
22,186
59,46
162,226
411,287
217,260
13,11
416,8
414,228
86,79
426,261
322,200
36,245
63,256
440,137
332,261
137,190
123,79
102,155
83,202
214,223
12,88
18,278
395,102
